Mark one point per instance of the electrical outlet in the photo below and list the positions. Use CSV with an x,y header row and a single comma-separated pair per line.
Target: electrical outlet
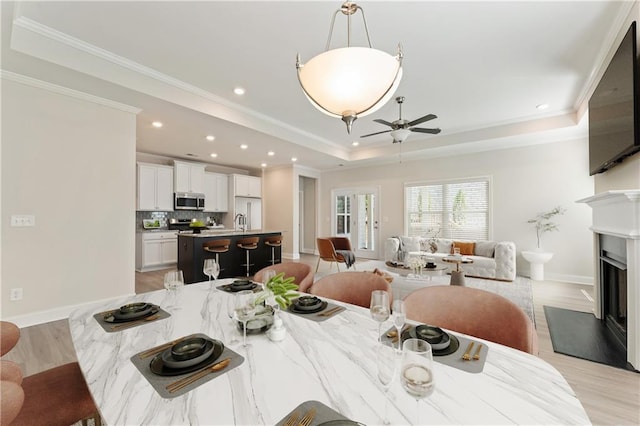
x,y
16,294
23,220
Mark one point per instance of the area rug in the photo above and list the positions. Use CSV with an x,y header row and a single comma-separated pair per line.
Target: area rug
x,y
519,291
582,335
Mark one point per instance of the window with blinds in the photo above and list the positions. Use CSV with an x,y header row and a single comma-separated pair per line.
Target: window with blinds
x,y
456,209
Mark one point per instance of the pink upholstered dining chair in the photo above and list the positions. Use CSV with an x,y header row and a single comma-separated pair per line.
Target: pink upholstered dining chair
x,y
474,312
301,271
58,396
351,287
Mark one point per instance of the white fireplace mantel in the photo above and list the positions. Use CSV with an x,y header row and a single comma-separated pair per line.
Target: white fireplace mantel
x,y
617,213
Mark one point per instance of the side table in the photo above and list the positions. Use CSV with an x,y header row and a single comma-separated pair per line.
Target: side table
x,y
457,276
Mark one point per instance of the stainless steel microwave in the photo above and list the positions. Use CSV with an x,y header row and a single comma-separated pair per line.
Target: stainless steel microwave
x,y
188,201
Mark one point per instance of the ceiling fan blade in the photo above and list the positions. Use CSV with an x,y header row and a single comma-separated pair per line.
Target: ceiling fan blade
x,y
377,133
381,121
421,130
422,119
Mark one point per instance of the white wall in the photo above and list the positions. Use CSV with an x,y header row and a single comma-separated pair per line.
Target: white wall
x,y
525,181
71,163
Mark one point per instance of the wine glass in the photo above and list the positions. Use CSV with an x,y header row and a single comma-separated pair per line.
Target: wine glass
x,y
379,307
399,316
386,359
417,370
208,267
231,311
245,309
173,280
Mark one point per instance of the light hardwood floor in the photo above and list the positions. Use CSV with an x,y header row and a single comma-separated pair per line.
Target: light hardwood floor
x,y
610,396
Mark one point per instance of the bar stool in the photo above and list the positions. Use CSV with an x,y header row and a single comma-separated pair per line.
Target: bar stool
x,y
248,243
217,247
273,242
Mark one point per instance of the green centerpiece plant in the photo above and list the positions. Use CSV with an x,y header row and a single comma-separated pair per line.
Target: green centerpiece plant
x,y
543,222
282,289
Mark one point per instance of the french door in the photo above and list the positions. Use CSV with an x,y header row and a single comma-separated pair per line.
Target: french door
x,y
355,215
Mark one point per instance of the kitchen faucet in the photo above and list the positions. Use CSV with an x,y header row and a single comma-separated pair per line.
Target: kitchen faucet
x,y
242,221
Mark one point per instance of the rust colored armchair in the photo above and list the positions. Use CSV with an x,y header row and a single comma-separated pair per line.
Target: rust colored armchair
x,y
336,249
58,396
351,287
474,312
301,271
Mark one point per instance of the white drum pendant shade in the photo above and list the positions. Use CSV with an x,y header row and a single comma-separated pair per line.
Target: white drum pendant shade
x,y
350,81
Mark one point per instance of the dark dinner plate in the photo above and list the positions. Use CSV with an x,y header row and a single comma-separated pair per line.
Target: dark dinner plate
x,y
294,309
158,366
233,287
133,310
113,317
307,303
451,348
170,361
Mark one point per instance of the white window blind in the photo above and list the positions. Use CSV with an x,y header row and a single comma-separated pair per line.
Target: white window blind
x,y
457,209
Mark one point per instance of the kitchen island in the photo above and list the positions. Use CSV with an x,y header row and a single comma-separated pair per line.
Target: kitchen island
x,y
191,254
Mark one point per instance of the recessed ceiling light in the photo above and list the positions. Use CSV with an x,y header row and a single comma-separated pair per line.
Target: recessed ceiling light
x,y
244,146
263,165
210,137
355,143
542,106
157,124
294,159
270,153
238,91
214,155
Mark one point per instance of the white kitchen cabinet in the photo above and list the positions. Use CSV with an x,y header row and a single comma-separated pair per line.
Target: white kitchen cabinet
x,y
189,177
216,190
156,250
155,187
247,186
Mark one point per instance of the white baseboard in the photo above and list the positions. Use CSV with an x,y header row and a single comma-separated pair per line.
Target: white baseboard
x,y
291,256
55,314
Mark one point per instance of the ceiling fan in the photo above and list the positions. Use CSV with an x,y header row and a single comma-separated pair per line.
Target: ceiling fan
x,y
401,129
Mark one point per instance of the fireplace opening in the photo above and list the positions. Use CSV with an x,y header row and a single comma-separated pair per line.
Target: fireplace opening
x,y
613,285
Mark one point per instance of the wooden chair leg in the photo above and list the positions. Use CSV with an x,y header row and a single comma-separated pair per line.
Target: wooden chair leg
x,y
317,265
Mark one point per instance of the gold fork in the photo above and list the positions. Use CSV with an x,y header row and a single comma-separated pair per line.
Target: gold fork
x,y
467,354
291,421
308,417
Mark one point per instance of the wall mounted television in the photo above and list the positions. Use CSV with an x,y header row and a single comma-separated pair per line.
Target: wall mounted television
x,y
614,125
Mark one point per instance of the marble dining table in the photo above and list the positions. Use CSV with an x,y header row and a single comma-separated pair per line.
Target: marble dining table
x,y
331,361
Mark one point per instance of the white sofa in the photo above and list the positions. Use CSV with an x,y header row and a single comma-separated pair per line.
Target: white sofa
x,y
491,259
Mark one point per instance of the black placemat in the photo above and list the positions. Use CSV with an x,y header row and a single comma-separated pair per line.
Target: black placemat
x,y
453,359
318,316
159,383
112,327
323,414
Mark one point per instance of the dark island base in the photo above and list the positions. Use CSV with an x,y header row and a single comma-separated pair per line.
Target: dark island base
x,y
191,256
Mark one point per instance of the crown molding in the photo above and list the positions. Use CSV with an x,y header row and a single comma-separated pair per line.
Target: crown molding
x,y
308,139
29,81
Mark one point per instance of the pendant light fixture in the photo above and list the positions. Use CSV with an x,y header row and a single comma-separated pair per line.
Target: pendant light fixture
x,y
350,82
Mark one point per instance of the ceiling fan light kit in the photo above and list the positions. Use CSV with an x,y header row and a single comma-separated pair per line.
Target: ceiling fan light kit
x,y
350,82
401,129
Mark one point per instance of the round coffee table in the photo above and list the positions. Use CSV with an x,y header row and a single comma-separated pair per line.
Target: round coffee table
x,y
405,271
457,276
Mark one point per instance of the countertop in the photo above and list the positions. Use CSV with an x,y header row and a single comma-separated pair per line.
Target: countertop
x,y
228,232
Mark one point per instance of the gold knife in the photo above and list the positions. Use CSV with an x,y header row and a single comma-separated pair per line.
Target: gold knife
x,y
330,312
476,356
179,384
467,354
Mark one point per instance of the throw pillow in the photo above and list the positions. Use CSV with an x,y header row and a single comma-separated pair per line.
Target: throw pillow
x,y
466,248
424,245
410,243
485,248
444,246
